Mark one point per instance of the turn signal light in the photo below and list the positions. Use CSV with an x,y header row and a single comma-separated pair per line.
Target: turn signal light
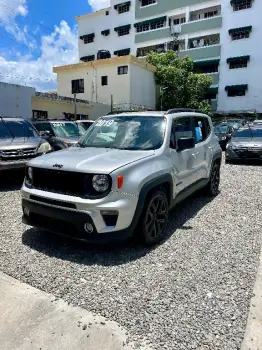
x,y
120,181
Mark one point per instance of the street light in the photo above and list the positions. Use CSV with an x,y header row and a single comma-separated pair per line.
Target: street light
x,y
162,89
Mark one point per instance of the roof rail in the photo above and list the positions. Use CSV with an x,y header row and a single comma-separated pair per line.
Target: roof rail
x,y
181,110
120,112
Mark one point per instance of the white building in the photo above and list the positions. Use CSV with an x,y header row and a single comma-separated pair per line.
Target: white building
x,y
124,81
221,36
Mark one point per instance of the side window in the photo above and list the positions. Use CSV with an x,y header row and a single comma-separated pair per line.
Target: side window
x,y
201,128
45,127
181,127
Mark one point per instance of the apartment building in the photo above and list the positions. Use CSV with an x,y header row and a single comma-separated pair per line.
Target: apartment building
x,y
221,36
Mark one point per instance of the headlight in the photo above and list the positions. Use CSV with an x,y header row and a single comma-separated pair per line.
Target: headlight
x,y
100,183
29,176
223,138
44,148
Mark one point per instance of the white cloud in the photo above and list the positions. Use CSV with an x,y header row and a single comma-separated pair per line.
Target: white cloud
x,y
99,4
57,48
9,9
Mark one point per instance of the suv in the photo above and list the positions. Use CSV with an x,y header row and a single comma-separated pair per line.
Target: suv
x,y
19,142
59,133
124,175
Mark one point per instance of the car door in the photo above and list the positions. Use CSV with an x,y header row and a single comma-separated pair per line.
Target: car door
x,y
201,152
182,161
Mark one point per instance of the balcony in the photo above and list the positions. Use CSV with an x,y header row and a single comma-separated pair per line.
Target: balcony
x,y
153,35
202,52
200,25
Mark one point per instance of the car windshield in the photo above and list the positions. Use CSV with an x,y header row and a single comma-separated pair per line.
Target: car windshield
x,y
83,127
221,129
248,132
16,129
234,124
65,129
128,133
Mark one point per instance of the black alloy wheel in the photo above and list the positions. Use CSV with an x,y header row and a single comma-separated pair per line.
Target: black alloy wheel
x,y
155,218
214,182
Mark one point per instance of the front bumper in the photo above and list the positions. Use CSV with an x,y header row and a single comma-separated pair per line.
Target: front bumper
x,y
12,165
245,154
67,215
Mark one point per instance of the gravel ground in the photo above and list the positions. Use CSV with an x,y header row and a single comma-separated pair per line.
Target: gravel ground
x,y
191,292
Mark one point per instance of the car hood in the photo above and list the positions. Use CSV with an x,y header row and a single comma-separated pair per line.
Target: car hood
x,y
21,143
90,160
247,142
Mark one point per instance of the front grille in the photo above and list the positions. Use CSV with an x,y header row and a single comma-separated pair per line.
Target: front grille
x,y
17,154
64,182
249,152
53,202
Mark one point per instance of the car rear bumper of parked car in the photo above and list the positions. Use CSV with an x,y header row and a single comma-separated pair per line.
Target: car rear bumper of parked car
x,y
101,223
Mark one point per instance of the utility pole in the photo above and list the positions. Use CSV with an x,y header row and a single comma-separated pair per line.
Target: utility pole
x,y
112,103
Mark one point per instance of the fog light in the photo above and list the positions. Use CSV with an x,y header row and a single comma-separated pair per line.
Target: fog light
x,y
88,227
26,211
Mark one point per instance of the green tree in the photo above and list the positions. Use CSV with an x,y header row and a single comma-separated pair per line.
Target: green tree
x,y
179,86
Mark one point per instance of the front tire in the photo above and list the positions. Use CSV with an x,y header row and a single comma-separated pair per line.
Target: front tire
x,y
212,187
155,218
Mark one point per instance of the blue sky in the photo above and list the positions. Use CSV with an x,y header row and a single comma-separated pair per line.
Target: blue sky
x,y
35,35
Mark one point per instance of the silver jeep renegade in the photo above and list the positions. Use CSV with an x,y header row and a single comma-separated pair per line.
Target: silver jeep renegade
x,y
123,176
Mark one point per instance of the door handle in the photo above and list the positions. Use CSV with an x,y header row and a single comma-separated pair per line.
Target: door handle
x,y
211,148
195,154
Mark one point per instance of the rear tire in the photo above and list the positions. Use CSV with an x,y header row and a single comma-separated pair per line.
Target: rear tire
x,y
154,218
212,188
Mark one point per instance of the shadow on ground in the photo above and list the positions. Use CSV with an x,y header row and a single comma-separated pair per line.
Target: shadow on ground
x,y
109,255
11,181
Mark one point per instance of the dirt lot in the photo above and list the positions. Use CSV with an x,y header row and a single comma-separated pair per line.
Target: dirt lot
x,y
191,292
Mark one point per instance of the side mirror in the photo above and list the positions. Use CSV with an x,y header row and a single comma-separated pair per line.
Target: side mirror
x,y
185,143
45,133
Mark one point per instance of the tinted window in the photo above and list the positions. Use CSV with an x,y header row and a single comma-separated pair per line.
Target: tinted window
x,y
4,131
65,129
44,127
221,129
129,133
181,128
21,129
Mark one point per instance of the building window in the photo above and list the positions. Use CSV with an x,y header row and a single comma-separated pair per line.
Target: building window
x,y
206,69
104,80
177,21
144,51
124,31
245,34
236,90
241,5
122,70
40,114
236,65
88,39
151,26
107,13
204,41
206,13
124,52
147,2
123,8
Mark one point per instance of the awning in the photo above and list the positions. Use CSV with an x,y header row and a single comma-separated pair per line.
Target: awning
x,y
239,59
127,26
206,62
126,3
123,52
241,29
87,36
149,21
105,32
242,87
87,58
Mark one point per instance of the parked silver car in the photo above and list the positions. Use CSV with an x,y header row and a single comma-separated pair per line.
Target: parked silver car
x,y
123,176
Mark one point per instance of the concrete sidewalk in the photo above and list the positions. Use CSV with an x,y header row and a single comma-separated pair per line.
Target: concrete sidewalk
x,y
31,319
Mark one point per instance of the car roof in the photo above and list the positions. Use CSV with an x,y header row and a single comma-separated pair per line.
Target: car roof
x,y
53,121
84,121
13,119
157,113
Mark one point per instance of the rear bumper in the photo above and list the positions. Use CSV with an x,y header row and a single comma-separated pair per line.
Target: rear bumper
x,y
70,223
